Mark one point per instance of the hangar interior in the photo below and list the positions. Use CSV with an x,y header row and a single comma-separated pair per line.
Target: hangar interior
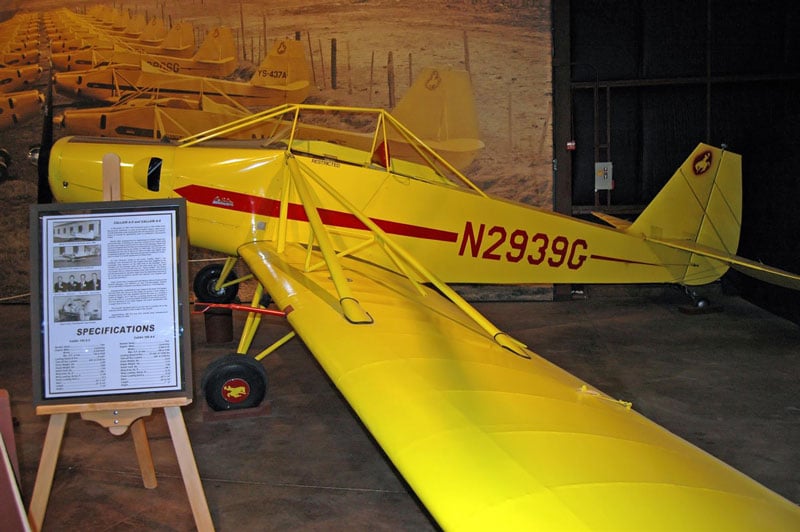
x,y
641,83
636,83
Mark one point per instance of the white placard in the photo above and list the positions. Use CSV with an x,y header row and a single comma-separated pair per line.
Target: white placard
x,y
110,304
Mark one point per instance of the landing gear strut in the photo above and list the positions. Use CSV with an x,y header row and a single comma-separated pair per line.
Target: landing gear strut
x,y
699,304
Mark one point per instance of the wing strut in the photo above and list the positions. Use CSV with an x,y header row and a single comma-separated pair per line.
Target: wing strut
x,y
397,253
350,306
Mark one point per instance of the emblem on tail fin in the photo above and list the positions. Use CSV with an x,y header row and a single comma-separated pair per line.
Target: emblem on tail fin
x,y
702,163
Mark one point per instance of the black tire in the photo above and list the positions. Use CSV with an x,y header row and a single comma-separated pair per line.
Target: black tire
x,y
234,382
5,156
204,283
4,173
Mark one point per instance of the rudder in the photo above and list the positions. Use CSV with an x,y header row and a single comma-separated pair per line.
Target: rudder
x,y
701,203
285,65
217,46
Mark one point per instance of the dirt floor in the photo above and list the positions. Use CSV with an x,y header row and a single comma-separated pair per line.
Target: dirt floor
x,y
505,46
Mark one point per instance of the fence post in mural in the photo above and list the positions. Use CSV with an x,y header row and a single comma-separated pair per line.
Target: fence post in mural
x,y
241,22
390,75
263,51
349,70
466,52
311,54
333,63
371,74
322,63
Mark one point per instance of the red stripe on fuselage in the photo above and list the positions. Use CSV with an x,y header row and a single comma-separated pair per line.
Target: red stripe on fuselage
x,y
625,261
236,201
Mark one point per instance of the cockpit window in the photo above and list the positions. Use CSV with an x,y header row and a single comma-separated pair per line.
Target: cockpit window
x,y
154,174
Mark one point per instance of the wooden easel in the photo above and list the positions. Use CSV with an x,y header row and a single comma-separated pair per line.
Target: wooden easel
x,y
117,417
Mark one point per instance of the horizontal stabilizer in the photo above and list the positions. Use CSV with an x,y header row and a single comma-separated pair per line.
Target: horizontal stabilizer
x,y
613,221
748,267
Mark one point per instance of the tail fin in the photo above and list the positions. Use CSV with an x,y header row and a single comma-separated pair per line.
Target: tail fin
x,y
179,37
154,32
284,65
136,26
439,105
217,46
439,108
702,205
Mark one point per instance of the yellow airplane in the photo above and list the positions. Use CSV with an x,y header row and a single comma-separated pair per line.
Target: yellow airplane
x,y
153,33
20,57
178,41
282,77
216,57
16,107
439,108
356,248
15,78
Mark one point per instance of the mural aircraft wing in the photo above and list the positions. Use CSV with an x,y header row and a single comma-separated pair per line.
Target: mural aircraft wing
x,y
490,438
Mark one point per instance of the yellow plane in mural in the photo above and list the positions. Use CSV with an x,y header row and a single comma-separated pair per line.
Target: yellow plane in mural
x,y
216,57
356,247
15,78
16,107
282,77
439,108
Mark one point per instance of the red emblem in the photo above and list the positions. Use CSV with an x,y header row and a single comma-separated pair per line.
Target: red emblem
x,y
235,390
702,163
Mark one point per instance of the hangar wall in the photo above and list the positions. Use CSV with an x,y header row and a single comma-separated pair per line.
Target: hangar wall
x,y
649,79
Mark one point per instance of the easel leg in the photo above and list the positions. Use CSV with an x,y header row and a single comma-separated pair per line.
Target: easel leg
x,y
47,469
191,477
143,454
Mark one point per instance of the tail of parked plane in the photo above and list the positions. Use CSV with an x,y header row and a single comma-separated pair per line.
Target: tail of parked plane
x,y
285,65
439,108
154,32
439,105
217,46
699,210
180,37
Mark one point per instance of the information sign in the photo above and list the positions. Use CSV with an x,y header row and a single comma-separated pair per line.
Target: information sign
x,y
109,301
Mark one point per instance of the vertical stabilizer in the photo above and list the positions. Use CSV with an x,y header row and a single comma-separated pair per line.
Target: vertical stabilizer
x,y
218,46
439,105
154,32
439,108
701,203
180,37
285,65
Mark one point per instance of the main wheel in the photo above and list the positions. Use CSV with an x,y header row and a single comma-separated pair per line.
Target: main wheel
x,y
204,283
234,382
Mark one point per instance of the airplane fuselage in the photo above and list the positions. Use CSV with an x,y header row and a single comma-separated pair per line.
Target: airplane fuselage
x,y
234,196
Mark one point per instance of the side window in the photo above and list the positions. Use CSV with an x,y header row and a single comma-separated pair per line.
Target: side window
x,y
154,174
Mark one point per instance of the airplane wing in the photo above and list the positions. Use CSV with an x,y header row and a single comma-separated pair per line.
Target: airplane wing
x,y
491,439
754,269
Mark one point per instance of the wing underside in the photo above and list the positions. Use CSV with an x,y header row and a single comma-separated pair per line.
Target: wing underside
x,y
488,438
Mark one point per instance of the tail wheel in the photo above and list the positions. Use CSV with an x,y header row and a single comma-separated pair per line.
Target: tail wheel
x,y
234,382
204,283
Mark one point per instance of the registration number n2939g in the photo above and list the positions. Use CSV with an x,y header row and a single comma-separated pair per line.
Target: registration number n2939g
x,y
518,245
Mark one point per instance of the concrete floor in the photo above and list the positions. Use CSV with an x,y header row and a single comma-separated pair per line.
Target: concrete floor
x,y
727,381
